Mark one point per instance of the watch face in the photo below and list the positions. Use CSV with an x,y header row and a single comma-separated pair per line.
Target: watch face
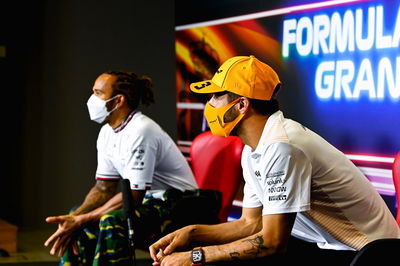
x,y
197,256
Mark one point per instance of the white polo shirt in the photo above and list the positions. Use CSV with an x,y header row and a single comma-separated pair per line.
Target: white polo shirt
x,y
293,169
139,150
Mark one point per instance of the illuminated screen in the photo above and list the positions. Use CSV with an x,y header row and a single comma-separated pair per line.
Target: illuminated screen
x,y
339,63
348,65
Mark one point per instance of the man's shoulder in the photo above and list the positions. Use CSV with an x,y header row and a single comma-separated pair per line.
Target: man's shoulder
x,y
273,150
143,125
282,129
105,130
282,148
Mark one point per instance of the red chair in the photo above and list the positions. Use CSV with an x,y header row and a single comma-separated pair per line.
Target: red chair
x,y
216,165
396,181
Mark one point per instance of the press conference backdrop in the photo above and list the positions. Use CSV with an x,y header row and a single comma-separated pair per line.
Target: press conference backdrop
x,y
339,62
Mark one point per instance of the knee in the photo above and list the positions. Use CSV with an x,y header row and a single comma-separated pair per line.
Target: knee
x,y
111,218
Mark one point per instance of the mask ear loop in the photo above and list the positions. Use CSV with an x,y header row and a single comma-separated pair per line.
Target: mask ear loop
x,y
227,108
115,108
112,98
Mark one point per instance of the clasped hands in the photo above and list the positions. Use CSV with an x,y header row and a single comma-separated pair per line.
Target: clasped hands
x,y
64,236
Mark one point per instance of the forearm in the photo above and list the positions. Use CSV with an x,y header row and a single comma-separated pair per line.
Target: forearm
x,y
96,197
112,204
251,247
224,232
272,238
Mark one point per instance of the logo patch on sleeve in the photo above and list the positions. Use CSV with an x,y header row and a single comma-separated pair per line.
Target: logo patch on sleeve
x,y
138,158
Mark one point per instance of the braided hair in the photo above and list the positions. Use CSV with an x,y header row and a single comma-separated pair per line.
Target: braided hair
x,y
136,89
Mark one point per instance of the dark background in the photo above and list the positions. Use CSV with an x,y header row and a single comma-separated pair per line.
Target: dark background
x,y
54,52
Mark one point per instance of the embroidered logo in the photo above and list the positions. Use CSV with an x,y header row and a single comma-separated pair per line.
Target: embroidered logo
x,y
206,84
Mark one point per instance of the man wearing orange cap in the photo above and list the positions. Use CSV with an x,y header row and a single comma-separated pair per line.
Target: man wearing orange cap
x,y
304,201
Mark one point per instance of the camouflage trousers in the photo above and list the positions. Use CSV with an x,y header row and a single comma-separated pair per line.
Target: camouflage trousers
x,y
106,242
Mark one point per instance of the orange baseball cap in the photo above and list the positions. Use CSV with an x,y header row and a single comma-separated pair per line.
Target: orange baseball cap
x,y
243,75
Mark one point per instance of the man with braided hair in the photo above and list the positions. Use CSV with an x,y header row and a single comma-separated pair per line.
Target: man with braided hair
x,y
130,146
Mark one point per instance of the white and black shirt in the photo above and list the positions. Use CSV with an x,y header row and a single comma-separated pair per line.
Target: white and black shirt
x,y
293,169
139,150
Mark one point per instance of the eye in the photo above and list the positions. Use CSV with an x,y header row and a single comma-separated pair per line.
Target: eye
x,y
97,92
219,94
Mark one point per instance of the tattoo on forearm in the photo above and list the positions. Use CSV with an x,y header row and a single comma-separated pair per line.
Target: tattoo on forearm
x,y
97,196
257,246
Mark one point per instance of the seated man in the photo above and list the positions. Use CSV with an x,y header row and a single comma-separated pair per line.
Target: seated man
x,y
302,197
130,145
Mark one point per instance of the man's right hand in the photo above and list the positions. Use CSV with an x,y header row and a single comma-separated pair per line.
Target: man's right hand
x,y
174,241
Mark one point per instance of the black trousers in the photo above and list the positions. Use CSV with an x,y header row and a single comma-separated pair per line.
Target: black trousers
x,y
301,253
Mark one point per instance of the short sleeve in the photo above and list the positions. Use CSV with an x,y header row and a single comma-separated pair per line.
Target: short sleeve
x,y
286,180
250,198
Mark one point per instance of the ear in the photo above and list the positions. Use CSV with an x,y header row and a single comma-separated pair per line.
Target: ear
x,y
121,100
243,105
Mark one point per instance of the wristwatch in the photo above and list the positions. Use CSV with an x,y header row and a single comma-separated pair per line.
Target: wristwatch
x,y
198,258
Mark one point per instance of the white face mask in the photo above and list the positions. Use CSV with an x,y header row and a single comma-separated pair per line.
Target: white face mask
x,y
97,108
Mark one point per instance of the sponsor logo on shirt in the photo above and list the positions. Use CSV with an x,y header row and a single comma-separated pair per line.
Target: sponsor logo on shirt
x,y
275,174
275,178
274,181
277,197
276,189
138,156
139,153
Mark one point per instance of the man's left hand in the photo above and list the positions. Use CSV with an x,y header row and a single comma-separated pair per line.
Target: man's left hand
x,y
62,238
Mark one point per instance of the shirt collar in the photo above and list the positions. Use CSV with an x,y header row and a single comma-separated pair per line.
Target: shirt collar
x,y
267,127
126,121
